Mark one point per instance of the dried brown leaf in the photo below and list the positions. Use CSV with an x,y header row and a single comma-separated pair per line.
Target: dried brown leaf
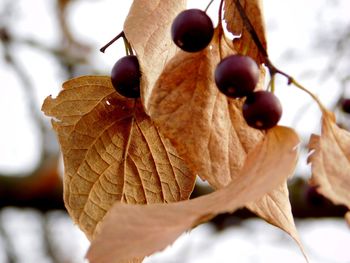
x,y
235,25
275,208
137,231
112,151
205,126
330,161
147,27
209,131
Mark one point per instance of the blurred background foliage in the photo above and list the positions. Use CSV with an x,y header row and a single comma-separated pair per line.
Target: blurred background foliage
x,y
42,44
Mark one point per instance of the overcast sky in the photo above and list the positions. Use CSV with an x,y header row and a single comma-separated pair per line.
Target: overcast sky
x,y
292,27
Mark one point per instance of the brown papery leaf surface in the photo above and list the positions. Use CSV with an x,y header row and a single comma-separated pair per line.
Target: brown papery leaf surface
x,y
147,28
235,25
137,231
206,127
275,208
112,151
209,131
330,161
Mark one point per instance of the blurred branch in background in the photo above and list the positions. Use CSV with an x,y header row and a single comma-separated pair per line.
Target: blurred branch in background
x,y
41,188
70,53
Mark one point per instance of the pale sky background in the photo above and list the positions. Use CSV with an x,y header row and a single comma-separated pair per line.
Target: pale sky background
x,y
292,27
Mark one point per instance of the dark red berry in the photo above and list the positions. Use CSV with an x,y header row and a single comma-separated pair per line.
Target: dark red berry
x,y
192,30
346,105
126,76
236,76
262,110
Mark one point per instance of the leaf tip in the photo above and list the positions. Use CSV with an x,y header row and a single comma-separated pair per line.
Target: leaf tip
x,y
45,107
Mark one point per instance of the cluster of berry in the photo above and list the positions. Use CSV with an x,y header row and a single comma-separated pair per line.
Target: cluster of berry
x,y
236,76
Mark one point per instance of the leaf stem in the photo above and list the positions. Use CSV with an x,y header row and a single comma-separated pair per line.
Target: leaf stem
x,y
313,96
128,48
273,71
245,50
249,26
220,13
272,83
220,33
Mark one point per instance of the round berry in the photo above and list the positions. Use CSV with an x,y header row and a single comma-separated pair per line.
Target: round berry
x,y
192,30
126,76
262,110
346,105
236,76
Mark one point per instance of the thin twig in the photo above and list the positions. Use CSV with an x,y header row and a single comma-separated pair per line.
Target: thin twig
x,y
220,13
67,35
206,9
249,26
272,69
121,34
313,96
29,90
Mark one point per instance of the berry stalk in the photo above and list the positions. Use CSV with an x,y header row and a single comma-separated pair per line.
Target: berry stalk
x,y
206,9
121,34
128,48
220,29
272,69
